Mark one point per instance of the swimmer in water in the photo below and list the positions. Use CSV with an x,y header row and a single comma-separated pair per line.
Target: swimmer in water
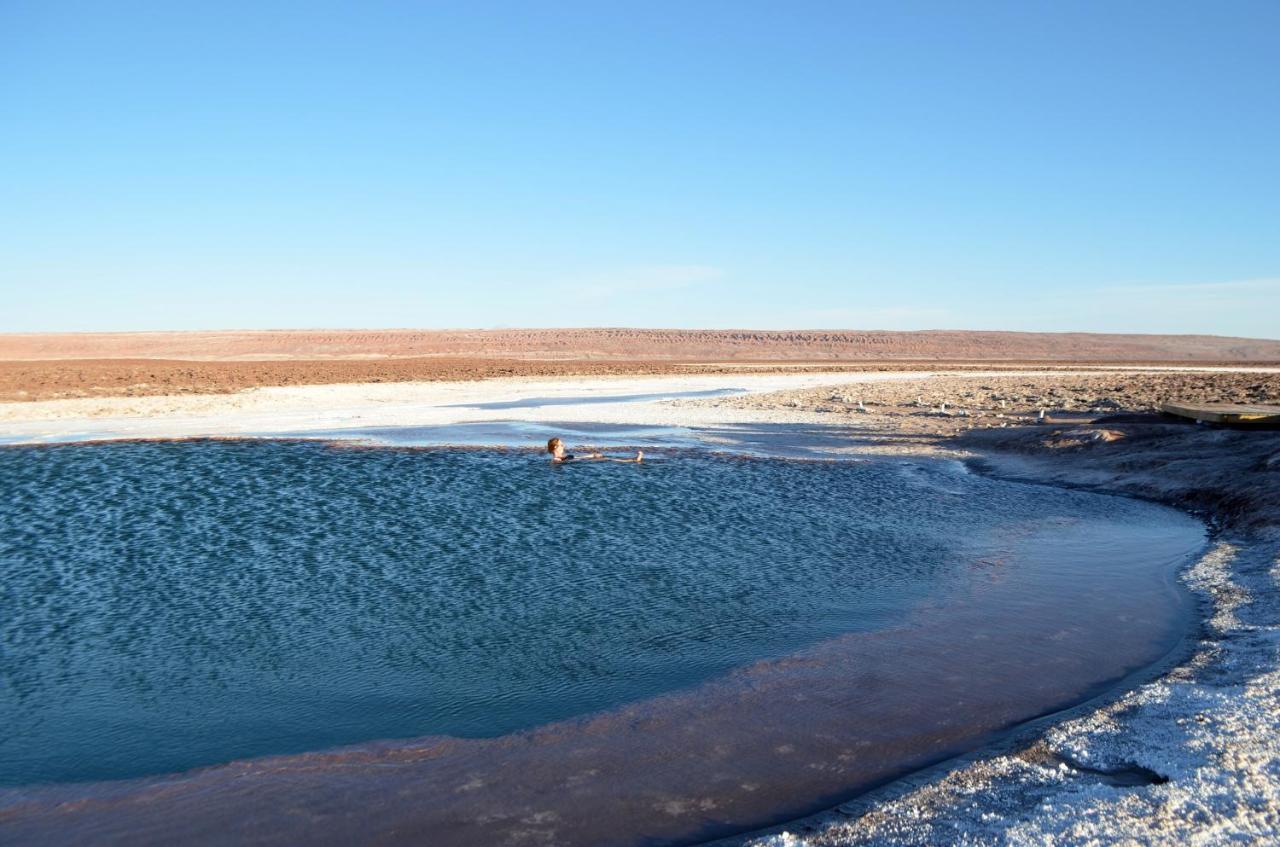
x,y
556,448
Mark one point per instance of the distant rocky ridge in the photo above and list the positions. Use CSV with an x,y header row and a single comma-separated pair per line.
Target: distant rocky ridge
x,y
640,344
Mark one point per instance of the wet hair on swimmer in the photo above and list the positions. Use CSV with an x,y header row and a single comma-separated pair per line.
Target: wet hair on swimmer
x,y
552,445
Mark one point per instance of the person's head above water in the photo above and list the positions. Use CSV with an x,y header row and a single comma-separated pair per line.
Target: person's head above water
x,y
556,448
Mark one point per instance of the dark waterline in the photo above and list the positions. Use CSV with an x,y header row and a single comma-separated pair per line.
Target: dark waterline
x,y
175,604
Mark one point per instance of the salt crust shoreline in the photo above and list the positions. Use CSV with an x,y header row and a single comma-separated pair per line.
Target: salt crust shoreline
x,y
1192,756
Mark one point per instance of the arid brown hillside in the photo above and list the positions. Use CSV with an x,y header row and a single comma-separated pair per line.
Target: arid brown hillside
x,y
638,344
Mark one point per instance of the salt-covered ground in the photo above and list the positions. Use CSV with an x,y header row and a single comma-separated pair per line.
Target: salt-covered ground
x,y
325,408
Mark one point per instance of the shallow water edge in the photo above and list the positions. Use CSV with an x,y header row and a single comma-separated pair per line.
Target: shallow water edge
x,y
933,782
1200,735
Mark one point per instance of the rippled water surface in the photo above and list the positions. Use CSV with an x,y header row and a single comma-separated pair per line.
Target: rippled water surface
x,y
169,605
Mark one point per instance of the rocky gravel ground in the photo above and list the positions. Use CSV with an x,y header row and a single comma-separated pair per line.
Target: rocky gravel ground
x,y
947,403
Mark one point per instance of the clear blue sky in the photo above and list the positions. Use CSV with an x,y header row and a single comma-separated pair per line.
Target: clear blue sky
x,y
1107,166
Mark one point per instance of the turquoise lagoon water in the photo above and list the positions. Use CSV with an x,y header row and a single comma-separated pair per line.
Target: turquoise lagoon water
x,y
170,605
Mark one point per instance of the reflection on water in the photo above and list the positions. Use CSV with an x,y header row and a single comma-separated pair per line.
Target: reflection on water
x,y
168,605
